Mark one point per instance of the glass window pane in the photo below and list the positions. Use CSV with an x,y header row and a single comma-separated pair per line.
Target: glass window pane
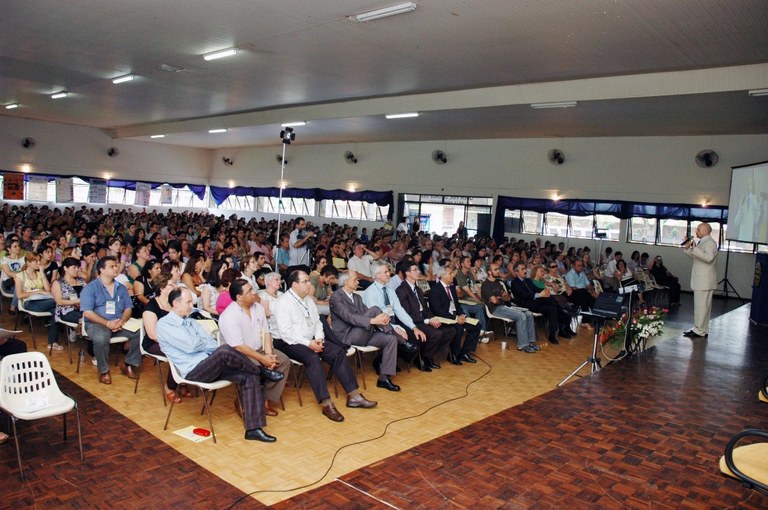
x,y
512,222
557,225
582,227
608,224
533,222
673,231
643,230
736,246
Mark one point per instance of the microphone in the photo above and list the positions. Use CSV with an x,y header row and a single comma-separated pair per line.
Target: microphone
x,y
687,240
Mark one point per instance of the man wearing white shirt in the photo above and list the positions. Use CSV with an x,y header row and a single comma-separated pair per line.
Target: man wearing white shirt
x,y
304,338
299,254
360,263
243,325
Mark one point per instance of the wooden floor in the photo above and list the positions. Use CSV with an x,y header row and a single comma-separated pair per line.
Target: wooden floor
x,y
643,432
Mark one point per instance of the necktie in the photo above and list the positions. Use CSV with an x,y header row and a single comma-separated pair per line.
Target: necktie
x,y
386,296
448,291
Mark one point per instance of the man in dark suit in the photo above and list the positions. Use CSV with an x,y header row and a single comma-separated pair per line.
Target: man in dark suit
x,y
356,324
525,295
445,303
412,300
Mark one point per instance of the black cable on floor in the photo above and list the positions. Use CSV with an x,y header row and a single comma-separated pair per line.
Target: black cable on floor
x,y
383,433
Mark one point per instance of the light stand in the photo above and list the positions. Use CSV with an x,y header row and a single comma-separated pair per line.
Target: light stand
x,y
725,281
287,136
594,360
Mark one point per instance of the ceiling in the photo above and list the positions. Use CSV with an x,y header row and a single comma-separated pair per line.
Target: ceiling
x,y
471,68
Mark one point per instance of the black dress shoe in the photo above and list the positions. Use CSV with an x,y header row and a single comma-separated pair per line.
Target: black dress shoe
x,y
467,358
553,341
387,384
453,360
409,347
696,335
434,365
259,435
270,375
423,365
565,334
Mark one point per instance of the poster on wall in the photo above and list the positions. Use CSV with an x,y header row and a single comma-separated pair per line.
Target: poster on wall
x,y
37,188
97,191
166,194
64,193
142,194
13,186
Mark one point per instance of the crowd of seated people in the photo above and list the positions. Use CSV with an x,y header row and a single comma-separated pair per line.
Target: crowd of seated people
x,y
434,303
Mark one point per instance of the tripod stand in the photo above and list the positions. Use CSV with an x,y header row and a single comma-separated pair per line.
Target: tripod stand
x,y
726,283
594,360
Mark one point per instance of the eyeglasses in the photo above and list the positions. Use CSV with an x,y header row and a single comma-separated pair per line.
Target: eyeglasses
x,y
553,267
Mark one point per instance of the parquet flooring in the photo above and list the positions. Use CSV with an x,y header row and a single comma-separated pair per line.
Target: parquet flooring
x,y
492,435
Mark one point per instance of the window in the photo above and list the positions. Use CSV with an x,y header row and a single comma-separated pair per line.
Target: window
x,y
642,230
533,223
608,225
673,231
443,213
298,206
353,210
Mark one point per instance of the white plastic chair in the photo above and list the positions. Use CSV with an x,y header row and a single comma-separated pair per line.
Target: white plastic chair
x,y
112,340
210,387
28,391
506,321
70,326
359,351
22,310
158,360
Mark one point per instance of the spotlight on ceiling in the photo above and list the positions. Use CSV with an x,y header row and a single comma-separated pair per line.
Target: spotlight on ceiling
x,y
294,124
215,131
350,158
59,95
11,106
123,79
408,115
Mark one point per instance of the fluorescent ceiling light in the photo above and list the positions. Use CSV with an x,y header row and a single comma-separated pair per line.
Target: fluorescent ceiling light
x,y
758,92
294,124
123,79
214,131
59,95
385,11
157,136
402,115
220,54
559,104
11,106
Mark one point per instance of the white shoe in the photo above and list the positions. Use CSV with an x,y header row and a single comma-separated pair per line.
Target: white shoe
x,y
57,347
484,339
95,363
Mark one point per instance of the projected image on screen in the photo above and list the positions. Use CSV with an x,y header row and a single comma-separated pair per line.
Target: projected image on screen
x,y
748,205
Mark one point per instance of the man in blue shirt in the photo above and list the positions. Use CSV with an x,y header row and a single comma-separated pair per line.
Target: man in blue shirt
x,y
583,292
106,307
198,357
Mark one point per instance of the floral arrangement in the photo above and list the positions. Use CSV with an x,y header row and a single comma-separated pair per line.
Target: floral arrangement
x,y
646,323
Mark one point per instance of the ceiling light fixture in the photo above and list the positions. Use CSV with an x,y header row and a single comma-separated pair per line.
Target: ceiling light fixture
x,y
157,136
123,79
402,115
220,54
59,95
214,131
294,124
758,92
11,106
385,11
558,104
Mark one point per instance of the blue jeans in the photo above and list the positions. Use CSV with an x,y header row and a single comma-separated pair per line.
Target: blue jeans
x,y
45,305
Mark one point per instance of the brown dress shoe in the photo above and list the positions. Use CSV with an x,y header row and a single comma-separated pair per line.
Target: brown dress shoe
x,y
268,409
332,413
129,371
360,401
105,378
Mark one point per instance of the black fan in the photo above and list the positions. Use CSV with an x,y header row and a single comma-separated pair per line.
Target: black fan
x,y
350,158
439,157
279,159
28,142
707,158
112,152
556,157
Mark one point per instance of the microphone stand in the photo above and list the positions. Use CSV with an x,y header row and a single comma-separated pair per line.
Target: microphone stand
x,y
594,360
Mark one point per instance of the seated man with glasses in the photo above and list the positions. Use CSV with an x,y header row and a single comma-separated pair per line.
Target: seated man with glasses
x,y
498,301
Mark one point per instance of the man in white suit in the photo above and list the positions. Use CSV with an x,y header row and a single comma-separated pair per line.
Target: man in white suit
x,y
703,278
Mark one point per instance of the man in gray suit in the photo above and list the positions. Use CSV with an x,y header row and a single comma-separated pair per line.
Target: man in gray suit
x,y
356,324
703,278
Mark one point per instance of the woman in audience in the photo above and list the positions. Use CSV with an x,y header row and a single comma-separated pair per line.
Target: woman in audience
x,y
48,265
157,308
114,246
173,268
268,297
664,277
538,274
224,299
66,292
34,292
12,265
213,287
193,275
142,286
137,266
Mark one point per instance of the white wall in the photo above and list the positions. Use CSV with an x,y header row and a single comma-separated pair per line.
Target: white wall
x,y
650,169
